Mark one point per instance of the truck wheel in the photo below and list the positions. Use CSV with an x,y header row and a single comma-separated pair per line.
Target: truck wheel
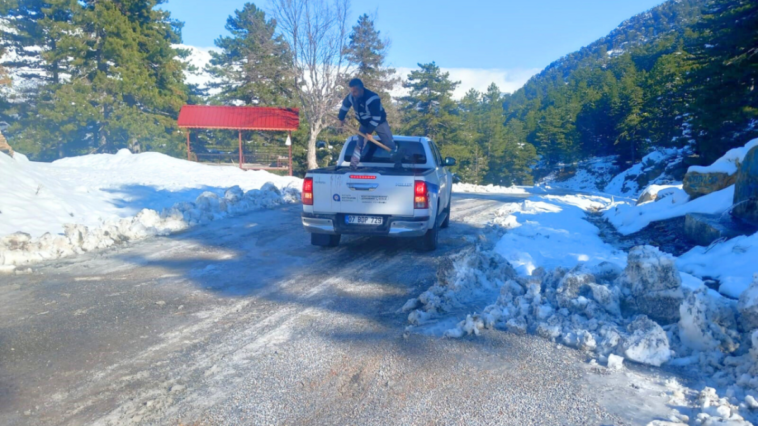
x,y
325,240
446,222
429,240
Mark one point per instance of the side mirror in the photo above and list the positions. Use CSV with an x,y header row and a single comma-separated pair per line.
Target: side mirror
x,y
449,161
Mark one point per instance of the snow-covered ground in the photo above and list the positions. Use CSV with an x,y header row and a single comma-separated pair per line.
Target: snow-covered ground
x,y
591,175
488,189
93,201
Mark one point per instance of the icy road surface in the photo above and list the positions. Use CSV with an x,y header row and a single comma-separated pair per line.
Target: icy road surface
x,y
241,321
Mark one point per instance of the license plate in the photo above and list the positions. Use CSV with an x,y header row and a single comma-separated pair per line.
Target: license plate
x,y
363,220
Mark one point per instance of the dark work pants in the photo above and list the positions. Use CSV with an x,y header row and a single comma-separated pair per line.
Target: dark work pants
x,y
365,150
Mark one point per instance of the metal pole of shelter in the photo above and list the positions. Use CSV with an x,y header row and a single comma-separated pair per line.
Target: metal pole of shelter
x,y
289,134
189,150
241,159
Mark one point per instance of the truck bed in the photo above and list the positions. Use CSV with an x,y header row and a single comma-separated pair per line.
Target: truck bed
x,y
386,171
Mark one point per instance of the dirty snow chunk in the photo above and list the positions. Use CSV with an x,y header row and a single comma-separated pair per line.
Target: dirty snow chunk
x,y
647,343
607,298
581,339
410,305
471,325
615,362
651,284
708,323
748,305
516,325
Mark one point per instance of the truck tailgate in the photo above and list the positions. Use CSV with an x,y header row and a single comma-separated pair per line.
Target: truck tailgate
x,y
364,193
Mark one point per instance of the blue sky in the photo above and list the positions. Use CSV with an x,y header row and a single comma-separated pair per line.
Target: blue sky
x,y
505,40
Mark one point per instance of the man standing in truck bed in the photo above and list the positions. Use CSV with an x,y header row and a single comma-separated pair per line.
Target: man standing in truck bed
x,y
370,113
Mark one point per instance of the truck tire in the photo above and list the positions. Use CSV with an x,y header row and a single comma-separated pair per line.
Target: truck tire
x,y
446,222
325,240
429,241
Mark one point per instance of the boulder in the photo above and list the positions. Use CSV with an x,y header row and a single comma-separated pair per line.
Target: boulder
x,y
746,188
647,343
703,229
651,285
697,184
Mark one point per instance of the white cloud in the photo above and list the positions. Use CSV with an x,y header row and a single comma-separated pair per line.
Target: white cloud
x,y
508,80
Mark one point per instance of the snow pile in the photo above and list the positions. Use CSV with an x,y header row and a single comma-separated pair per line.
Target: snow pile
x,y
591,175
729,163
629,218
732,262
659,167
39,198
75,205
20,249
488,189
541,279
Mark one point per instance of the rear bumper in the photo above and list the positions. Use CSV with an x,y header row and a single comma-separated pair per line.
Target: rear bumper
x,y
393,226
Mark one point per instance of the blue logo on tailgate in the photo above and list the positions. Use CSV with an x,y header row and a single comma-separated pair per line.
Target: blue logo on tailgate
x,y
336,197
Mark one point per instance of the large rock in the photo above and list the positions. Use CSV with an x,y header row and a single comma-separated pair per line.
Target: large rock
x,y
703,229
651,285
746,188
697,184
647,343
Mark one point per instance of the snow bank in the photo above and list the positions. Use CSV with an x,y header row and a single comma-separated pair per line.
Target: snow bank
x,y
488,189
629,218
87,203
728,163
732,262
38,198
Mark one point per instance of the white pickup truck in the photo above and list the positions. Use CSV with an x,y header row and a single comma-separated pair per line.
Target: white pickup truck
x,y
408,196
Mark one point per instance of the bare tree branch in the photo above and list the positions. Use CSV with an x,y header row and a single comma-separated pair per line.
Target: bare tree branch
x,y
317,33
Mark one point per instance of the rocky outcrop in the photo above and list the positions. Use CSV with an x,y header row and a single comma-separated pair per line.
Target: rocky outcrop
x,y
651,285
703,229
697,184
746,189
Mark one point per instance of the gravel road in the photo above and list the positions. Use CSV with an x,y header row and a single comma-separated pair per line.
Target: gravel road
x,y
241,321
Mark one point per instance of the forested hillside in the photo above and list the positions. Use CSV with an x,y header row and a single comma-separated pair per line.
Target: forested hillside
x,y
681,73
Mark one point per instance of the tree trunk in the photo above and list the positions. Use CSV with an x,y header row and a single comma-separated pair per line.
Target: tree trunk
x,y
312,139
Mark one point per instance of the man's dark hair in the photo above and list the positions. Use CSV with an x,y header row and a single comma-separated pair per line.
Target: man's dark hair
x,y
356,82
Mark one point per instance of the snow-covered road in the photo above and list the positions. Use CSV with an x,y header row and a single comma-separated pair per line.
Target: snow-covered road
x,y
241,321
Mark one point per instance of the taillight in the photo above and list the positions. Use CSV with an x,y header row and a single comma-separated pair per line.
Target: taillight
x,y
420,195
307,191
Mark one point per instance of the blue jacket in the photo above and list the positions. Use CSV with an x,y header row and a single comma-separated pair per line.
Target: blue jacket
x,y
368,109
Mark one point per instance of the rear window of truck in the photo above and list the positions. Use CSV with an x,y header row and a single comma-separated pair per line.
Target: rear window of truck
x,y
412,152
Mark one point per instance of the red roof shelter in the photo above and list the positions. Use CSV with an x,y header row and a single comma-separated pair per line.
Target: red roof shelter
x,y
239,118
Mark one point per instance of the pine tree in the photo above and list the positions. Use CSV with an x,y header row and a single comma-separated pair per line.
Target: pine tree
x,y
367,51
429,109
724,80
254,66
124,84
